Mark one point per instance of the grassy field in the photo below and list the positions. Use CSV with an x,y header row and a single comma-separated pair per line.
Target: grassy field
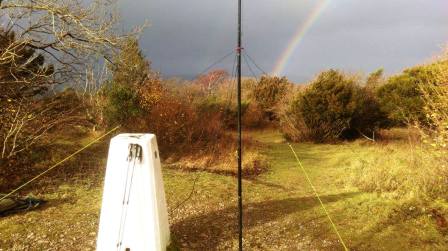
x,y
280,210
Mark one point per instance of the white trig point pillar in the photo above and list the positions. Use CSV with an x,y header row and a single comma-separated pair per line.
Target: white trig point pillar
x,y
133,214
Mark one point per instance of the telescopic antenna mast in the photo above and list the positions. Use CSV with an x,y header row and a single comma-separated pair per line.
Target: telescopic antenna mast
x,y
240,189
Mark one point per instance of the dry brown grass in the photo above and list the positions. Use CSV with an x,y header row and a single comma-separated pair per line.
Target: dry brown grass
x,y
221,157
253,163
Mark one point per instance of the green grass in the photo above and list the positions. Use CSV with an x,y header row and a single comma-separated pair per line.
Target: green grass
x,y
280,210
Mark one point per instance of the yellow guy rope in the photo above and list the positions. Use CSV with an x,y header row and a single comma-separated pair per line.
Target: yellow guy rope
x,y
318,197
59,163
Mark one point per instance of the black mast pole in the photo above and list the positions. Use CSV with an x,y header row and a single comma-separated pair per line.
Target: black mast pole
x,y
240,189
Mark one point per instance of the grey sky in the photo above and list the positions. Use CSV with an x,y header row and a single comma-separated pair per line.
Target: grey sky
x,y
352,35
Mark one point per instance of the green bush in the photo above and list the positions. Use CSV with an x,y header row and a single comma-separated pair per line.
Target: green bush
x,y
267,93
402,97
335,107
122,105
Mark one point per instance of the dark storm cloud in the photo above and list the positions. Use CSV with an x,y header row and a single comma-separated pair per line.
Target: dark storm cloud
x,y
353,35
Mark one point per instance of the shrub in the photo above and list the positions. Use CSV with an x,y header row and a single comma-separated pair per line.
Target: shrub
x,y
267,93
375,79
181,127
435,99
291,124
436,111
122,105
335,107
402,97
253,117
170,121
220,103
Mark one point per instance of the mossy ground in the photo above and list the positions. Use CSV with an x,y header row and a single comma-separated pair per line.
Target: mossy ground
x,y
280,210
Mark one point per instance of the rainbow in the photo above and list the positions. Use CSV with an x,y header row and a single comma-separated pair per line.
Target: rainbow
x,y
298,37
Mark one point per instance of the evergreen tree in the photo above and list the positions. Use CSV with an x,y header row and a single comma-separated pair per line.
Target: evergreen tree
x,y
134,88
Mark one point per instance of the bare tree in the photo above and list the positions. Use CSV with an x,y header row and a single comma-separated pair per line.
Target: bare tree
x,y
44,43
67,32
212,80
